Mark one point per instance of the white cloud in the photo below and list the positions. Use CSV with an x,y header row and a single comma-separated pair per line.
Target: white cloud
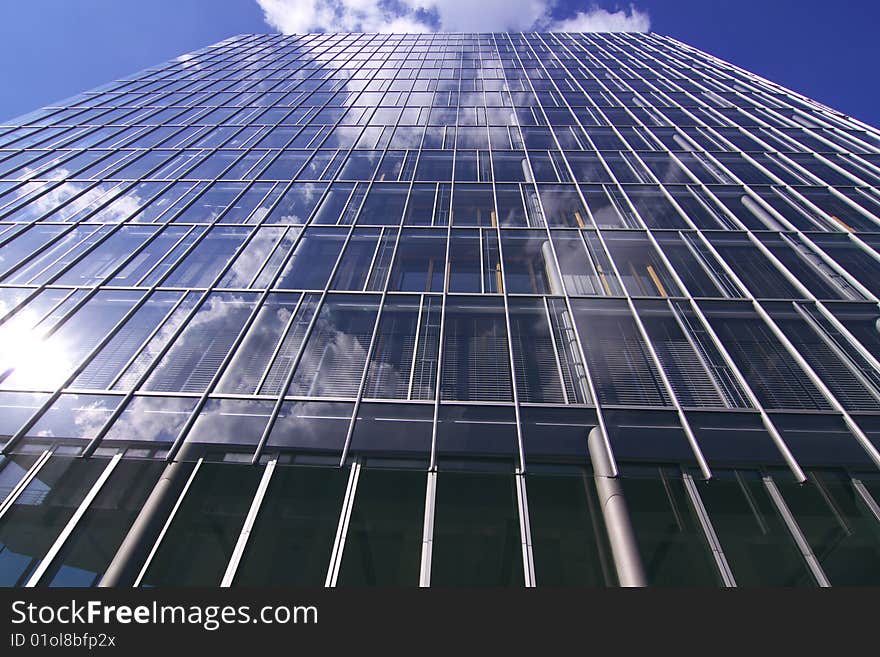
x,y
600,20
300,16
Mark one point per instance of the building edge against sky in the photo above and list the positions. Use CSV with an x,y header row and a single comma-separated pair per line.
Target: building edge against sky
x,y
507,309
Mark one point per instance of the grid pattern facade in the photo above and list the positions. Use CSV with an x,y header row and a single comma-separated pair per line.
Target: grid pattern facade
x,y
365,296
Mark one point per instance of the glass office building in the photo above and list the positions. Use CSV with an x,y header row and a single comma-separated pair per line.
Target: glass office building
x,y
440,310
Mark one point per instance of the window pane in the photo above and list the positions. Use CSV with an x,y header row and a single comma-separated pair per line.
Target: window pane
x,y
841,530
99,533
757,544
334,357
672,545
40,512
568,535
313,259
196,355
476,531
420,262
199,542
475,357
383,545
291,541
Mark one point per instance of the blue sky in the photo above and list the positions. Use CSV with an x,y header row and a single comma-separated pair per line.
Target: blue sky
x,y
51,49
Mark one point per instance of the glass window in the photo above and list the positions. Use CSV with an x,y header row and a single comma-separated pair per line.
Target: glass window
x,y
12,470
291,541
297,203
391,363
761,276
654,208
383,545
201,265
563,206
420,262
618,358
250,259
510,166
285,166
335,353
529,265
841,530
510,205
475,357
199,542
360,165
313,259
196,355
38,364
383,205
774,376
473,205
88,551
31,525
671,542
534,353
850,379
476,531
434,166
696,278
642,271
569,543
102,261
354,265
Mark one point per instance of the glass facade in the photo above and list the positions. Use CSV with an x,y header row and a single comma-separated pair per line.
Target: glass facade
x,y
344,309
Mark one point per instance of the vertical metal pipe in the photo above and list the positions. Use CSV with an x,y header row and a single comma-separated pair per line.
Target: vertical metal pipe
x,y
621,537
142,534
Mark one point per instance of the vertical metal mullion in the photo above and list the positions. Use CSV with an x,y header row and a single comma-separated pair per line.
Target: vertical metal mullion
x,y
342,528
247,527
525,530
867,498
709,531
428,529
796,533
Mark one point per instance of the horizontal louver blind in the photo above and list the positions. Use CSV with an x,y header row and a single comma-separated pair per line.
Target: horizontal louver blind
x,y
770,370
618,359
475,357
845,386
196,355
391,361
534,358
101,371
334,356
